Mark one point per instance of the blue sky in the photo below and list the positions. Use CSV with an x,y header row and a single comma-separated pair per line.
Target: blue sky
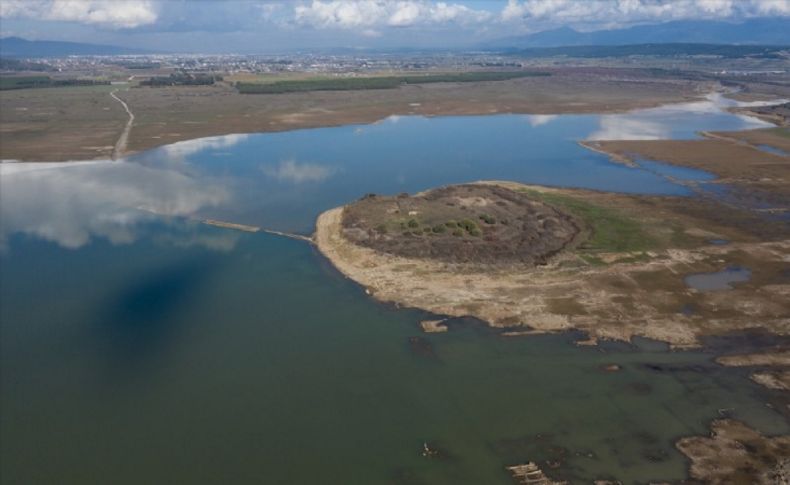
x,y
261,25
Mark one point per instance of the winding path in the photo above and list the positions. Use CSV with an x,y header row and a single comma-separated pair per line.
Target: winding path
x,y
120,145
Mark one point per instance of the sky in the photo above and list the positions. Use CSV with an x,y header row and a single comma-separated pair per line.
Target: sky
x,y
246,26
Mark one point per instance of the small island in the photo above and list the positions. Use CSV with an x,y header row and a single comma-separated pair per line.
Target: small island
x,y
531,259
467,224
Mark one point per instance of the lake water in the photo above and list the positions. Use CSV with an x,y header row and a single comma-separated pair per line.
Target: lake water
x,y
140,346
718,280
773,150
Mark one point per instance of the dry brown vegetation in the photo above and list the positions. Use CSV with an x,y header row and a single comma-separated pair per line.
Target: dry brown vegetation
x,y
84,123
734,157
736,454
603,288
462,223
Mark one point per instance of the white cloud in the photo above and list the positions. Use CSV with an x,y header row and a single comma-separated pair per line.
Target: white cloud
x,y
269,10
626,11
405,14
122,14
291,171
355,14
772,7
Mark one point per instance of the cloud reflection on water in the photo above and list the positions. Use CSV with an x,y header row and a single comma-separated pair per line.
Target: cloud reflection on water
x,y
297,173
71,203
540,120
659,123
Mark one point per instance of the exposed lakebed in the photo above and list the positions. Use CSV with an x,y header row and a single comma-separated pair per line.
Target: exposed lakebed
x,y
139,345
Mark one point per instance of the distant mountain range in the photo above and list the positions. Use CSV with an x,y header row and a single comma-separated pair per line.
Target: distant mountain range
x,y
18,47
655,50
755,31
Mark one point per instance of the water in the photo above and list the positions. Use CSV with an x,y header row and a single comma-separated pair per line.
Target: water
x,y
773,150
140,346
718,280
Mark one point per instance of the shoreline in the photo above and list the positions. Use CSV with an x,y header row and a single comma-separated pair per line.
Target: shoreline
x,y
319,119
89,122
288,126
569,294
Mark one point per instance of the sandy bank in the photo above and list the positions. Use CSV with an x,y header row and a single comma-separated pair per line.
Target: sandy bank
x,y
608,294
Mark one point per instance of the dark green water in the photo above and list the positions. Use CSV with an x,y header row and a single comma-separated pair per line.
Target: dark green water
x,y
154,363
139,348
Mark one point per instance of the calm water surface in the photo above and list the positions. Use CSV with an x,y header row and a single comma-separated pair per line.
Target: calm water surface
x,y
140,346
718,280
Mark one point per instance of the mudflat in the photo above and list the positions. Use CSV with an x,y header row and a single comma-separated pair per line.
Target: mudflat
x,y
625,278
735,453
737,158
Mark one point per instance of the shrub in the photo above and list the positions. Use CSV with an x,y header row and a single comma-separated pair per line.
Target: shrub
x,y
468,225
413,223
451,224
458,233
488,219
381,228
439,228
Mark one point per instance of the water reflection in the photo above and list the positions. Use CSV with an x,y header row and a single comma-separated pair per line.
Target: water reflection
x,y
70,203
539,120
182,149
297,173
719,280
681,120
284,180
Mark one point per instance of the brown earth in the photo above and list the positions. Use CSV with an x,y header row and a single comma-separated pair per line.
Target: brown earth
x,y
735,454
761,179
84,123
778,115
775,379
461,224
781,358
600,287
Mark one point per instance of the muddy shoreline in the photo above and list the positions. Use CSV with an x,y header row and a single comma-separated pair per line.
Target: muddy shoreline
x,y
62,124
616,295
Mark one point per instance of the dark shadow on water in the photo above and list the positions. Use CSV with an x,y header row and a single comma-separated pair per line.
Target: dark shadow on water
x,y
745,342
143,318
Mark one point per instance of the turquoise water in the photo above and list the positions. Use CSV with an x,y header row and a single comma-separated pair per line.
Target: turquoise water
x,y
140,346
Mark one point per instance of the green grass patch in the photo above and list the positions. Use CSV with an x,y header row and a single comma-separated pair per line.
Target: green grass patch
x,y
26,82
379,82
611,231
22,82
592,260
